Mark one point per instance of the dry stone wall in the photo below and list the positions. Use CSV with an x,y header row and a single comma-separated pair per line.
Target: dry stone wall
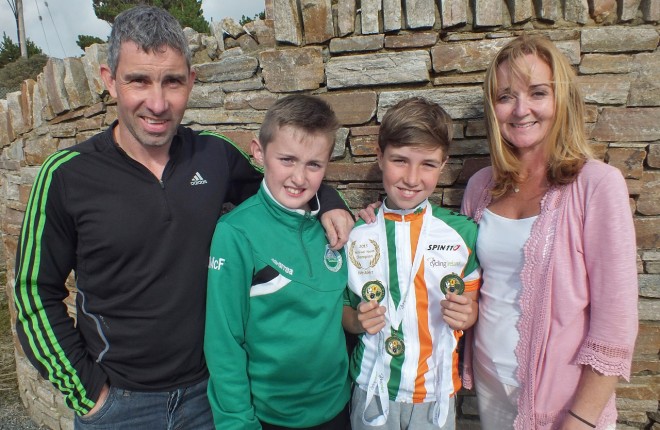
x,y
362,57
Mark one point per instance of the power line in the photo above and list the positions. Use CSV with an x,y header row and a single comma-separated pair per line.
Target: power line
x,y
41,21
12,5
56,32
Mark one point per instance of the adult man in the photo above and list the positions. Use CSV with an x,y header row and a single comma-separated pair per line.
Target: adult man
x,y
132,211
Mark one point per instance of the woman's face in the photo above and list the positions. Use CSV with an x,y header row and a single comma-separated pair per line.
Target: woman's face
x,y
525,108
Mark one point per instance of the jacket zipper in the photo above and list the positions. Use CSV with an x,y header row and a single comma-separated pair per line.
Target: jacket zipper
x,y
302,242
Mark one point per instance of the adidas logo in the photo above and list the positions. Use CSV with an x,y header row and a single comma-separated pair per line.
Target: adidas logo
x,y
197,179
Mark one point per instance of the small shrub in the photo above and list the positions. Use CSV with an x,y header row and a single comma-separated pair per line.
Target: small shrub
x,y
16,72
245,19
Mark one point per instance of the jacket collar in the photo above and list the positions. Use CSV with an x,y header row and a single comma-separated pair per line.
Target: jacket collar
x,y
291,217
407,215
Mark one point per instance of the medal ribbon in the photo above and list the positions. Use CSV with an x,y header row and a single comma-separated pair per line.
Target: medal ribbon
x,y
377,383
444,384
397,315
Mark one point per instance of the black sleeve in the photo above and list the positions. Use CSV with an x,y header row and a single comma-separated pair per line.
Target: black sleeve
x,y
45,257
330,199
244,176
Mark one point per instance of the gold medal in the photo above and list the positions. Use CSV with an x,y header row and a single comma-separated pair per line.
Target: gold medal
x,y
452,284
373,290
394,346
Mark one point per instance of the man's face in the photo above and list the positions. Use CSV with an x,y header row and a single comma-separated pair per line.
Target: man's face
x,y
152,91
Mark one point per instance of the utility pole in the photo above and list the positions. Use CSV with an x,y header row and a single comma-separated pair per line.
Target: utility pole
x,y
21,28
17,9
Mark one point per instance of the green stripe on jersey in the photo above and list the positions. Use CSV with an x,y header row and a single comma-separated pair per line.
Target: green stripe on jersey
x,y
465,227
238,148
396,367
396,363
395,290
31,314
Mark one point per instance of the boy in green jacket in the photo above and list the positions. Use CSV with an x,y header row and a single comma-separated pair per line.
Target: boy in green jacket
x,y
274,343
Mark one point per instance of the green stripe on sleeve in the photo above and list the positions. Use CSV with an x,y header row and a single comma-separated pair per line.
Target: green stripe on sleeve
x,y
31,313
238,148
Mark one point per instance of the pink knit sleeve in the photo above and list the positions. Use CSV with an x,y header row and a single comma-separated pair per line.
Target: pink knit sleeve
x,y
610,256
476,196
468,203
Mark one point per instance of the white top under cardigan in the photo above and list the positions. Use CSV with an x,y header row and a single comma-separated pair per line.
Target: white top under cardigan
x,y
500,251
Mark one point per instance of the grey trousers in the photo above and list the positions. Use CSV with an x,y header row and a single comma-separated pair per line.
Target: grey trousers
x,y
402,416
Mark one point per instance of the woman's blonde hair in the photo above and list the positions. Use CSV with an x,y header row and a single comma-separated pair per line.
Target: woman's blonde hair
x,y
568,149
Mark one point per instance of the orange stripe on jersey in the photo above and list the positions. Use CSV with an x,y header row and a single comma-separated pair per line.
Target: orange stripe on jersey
x,y
424,333
422,305
454,364
472,285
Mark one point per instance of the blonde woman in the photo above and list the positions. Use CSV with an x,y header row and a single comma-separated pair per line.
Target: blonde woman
x,y
558,305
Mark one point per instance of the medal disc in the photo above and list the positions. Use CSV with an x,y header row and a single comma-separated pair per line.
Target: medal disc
x,y
452,284
394,346
373,290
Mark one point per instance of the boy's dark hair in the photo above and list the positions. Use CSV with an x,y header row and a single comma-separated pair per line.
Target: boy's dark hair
x,y
416,122
308,113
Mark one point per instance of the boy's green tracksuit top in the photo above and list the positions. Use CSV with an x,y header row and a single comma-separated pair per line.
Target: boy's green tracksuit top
x,y
274,343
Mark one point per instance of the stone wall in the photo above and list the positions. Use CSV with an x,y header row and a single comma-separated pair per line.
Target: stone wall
x,y
363,57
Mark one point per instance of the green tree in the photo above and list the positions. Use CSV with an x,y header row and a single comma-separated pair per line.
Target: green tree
x,y
85,40
245,19
108,10
10,51
188,12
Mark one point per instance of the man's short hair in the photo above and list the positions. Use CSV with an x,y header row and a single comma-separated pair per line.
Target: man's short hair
x,y
151,28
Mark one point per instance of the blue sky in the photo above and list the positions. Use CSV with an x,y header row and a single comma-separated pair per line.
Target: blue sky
x,y
63,20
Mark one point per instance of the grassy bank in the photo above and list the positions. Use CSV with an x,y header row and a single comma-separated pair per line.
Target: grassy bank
x,y
8,384
12,413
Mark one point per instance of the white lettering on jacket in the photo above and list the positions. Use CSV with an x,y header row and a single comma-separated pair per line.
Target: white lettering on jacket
x,y
287,270
216,263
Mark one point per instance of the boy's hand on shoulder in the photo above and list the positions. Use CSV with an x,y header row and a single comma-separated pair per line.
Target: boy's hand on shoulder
x,y
459,311
371,316
338,224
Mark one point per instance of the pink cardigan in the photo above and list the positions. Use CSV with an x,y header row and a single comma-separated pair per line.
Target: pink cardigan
x,y
579,292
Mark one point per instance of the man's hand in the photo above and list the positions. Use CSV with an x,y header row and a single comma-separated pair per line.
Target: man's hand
x,y
337,224
103,396
368,214
460,312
